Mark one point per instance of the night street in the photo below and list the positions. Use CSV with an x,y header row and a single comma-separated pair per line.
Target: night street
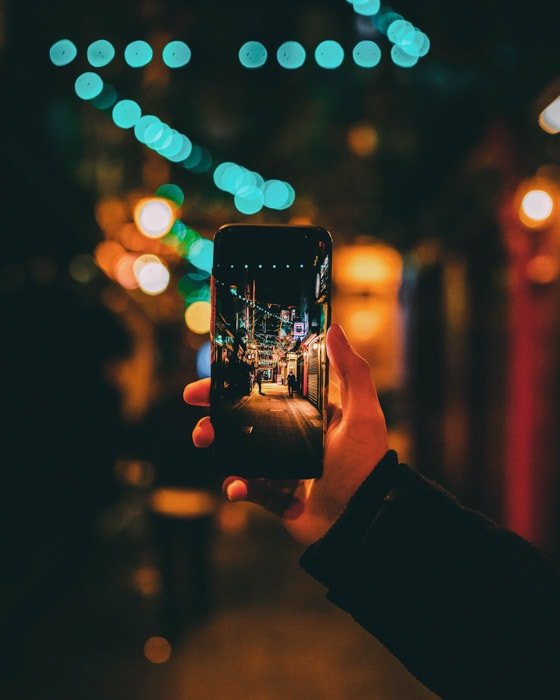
x,y
274,419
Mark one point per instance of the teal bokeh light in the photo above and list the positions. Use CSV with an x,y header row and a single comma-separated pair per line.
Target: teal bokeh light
x,y
173,193
164,140
291,55
63,52
194,158
395,29
384,19
329,54
204,163
126,113
100,53
138,54
367,7
176,54
154,132
366,54
249,199
174,146
88,86
201,254
276,194
184,151
401,58
252,55
142,125
106,98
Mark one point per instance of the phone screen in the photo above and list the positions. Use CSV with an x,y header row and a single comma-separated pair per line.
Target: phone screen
x,y
271,292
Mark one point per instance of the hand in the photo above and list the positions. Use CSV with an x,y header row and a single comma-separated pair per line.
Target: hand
x,y
355,442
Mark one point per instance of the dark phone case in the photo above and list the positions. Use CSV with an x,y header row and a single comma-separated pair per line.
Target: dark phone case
x,y
224,462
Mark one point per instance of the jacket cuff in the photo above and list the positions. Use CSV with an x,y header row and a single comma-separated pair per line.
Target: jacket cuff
x,y
328,559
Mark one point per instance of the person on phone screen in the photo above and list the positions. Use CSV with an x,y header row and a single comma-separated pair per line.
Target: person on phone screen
x,y
292,383
471,609
258,380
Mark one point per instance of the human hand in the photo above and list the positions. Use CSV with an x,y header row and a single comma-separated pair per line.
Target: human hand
x,y
355,442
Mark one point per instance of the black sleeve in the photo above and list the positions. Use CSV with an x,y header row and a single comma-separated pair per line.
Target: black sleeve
x,y
471,609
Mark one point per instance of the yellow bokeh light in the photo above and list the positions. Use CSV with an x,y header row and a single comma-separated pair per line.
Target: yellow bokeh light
x,y
536,207
372,268
364,325
157,650
182,503
154,217
197,317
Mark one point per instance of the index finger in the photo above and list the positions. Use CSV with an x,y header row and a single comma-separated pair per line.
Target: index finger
x,y
197,393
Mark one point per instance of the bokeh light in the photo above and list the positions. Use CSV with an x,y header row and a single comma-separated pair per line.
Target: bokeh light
x,y
184,151
401,58
106,98
203,361
197,317
100,53
154,217
363,140
173,193
142,125
138,54
253,54
126,113
124,271
549,119
157,650
276,194
176,54
543,269
63,52
329,54
367,8
152,274
249,199
366,54
204,161
82,268
88,85
291,55
201,254
536,207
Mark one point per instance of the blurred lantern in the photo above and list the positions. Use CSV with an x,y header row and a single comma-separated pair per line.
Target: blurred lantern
x,y
537,203
151,274
154,217
197,317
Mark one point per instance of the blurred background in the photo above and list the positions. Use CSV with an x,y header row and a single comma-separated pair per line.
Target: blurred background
x,y
436,169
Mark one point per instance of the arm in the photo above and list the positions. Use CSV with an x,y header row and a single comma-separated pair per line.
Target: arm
x,y
471,609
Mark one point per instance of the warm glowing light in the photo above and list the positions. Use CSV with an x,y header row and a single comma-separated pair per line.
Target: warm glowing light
x,y
549,119
536,207
154,217
124,271
182,503
147,580
106,255
372,268
543,269
362,140
157,650
197,317
152,275
364,325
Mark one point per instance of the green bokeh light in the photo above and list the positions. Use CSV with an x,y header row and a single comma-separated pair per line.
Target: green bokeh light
x,y
401,58
176,54
88,85
100,53
291,55
63,52
366,54
201,254
329,54
276,194
142,125
204,163
249,199
106,98
184,151
126,113
138,54
367,7
252,54
173,193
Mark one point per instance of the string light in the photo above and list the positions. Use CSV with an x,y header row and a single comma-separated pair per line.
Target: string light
x,y
154,217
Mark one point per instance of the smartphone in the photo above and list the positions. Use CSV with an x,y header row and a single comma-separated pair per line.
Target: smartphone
x,y
271,306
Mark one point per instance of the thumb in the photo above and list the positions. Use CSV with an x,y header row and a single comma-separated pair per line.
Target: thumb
x,y
359,396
